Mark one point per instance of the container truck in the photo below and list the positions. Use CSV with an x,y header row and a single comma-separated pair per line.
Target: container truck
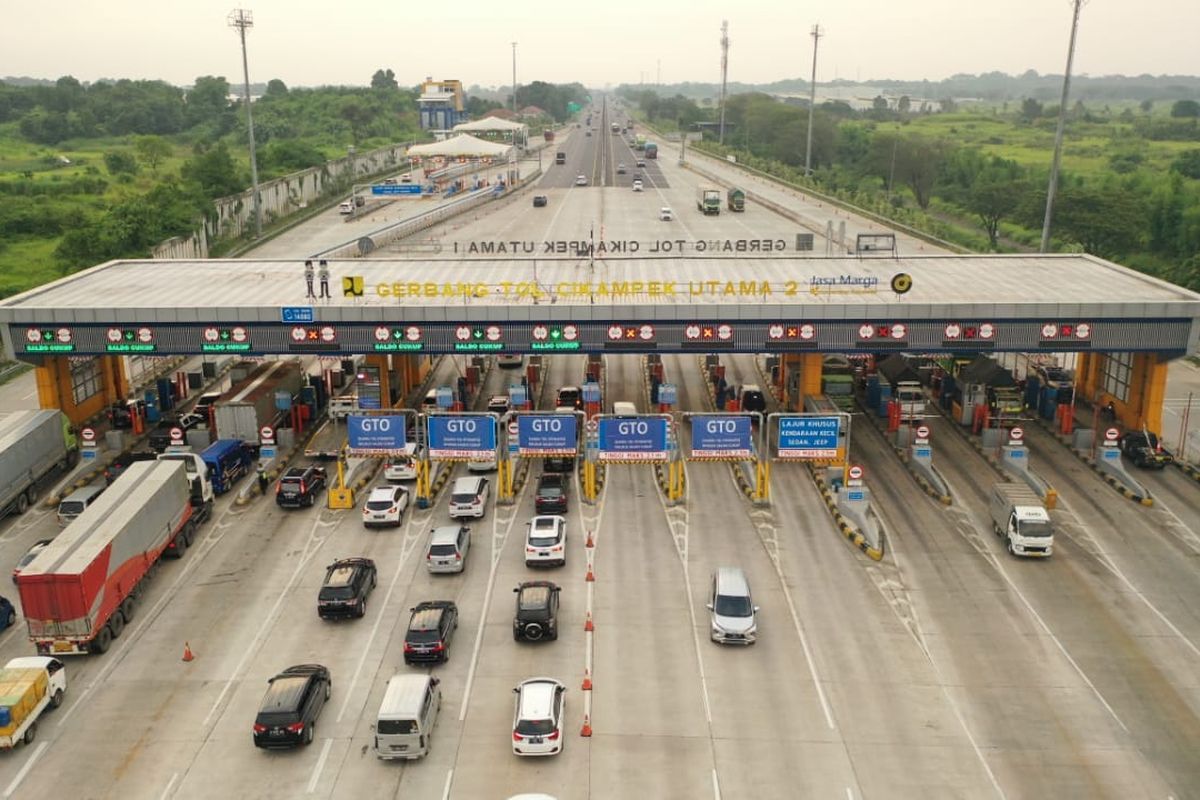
x,y
32,445
651,150
1020,518
28,686
254,402
735,198
199,478
80,591
708,199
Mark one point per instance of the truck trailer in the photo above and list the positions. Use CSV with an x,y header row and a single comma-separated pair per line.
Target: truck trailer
x,y
735,199
254,402
32,445
708,199
28,686
1020,518
79,592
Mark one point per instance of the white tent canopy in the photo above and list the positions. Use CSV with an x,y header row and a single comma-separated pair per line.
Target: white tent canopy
x,y
462,145
491,124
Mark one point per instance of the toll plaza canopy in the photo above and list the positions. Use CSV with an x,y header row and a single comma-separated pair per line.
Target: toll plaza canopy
x,y
755,303
463,145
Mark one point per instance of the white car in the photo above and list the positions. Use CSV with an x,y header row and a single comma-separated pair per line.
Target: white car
x,y
665,214
538,717
637,186
581,180
403,466
499,404
546,540
385,506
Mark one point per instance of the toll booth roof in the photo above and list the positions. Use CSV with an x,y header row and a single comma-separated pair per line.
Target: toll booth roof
x,y
1001,285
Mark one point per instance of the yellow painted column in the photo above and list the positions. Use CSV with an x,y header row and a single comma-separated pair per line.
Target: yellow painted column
x,y
810,377
1149,389
46,375
1087,372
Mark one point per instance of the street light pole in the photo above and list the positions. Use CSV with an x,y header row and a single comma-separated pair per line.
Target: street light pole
x,y
812,103
241,19
1052,189
514,46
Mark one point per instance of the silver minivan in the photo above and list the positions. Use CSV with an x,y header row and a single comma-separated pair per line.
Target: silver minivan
x,y
407,716
468,497
732,608
448,548
77,502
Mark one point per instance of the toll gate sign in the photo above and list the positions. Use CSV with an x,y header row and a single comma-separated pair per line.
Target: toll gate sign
x,y
721,436
547,435
633,439
808,437
462,437
375,435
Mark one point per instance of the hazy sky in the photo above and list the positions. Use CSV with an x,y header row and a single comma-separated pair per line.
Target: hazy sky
x,y
307,43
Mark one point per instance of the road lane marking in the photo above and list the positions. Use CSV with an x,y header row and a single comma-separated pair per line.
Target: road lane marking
x,y
320,765
166,792
446,788
406,549
12,787
716,786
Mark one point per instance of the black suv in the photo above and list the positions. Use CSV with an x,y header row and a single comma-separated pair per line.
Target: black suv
x,y
537,611
290,708
1145,450
551,494
539,200
123,460
429,632
558,464
299,486
348,581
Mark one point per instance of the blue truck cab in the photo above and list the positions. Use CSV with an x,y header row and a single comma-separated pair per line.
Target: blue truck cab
x,y
227,460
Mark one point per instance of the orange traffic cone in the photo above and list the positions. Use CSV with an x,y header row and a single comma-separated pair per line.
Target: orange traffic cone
x,y
590,541
187,652
588,626
587,726
587,680
590,577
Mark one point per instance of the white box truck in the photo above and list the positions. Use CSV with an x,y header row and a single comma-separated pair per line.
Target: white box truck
x,y
28,686
1020,518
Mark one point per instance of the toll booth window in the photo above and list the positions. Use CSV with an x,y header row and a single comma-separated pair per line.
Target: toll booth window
x,y
1118,369
85,378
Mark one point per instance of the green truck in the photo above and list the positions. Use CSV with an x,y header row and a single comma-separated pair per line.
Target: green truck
x,y
708,199
735,198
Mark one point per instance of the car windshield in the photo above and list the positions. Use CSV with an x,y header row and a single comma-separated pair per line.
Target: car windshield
x,y
733,606
462,498
70,507
1036,528
535,727
394,727
543,537
337,593
550,491
30,556
441,550
380,505
270,718
403,462
422,636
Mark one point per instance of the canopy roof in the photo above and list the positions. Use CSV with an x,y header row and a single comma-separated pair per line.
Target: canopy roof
x,y
490,124
987,372
461,145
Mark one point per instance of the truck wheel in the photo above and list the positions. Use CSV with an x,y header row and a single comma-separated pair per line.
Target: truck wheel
x,y
30,733
1009,546
102,641
12,617
117,624
22,503
57,699
181,544
127,608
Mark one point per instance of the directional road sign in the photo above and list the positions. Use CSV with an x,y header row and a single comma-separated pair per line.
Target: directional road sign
x,y
808,437
547,435
376,434
642,438
722,436
462,436
398,188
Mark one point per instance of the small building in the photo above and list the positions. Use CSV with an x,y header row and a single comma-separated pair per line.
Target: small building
x,y
442,104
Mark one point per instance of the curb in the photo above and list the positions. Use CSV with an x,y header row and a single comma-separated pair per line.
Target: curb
x,y
926,486
851,533
1188,470
1091,462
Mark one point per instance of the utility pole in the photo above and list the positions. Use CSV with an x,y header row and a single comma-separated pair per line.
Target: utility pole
x,y
724,77
1058,134
812,103
514,44
241,19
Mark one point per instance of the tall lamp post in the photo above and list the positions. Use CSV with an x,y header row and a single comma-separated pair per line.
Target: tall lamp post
x,y
242,19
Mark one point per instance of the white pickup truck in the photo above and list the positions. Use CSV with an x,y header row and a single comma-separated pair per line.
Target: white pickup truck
x,y
28,686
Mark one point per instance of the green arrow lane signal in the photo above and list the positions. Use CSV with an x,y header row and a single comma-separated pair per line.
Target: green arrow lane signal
x,y
477,333
555,333
129,336
224,334
397,333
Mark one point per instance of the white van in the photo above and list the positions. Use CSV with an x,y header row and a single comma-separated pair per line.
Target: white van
x,y
346,207
733,610
77,502
407,716
403,466
624,408
342,407
468,497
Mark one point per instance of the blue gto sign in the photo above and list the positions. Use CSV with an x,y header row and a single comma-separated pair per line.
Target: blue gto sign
x,y
808,437
547,435
376,434
633,439
721,436
462,436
